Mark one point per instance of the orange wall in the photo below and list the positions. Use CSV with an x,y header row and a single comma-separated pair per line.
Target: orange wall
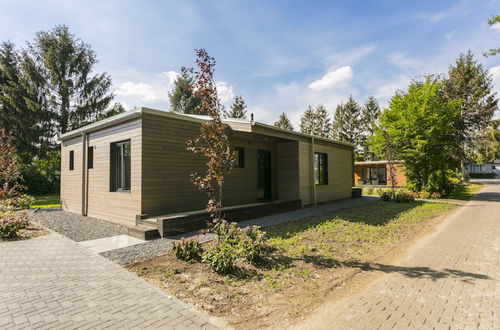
x,y
400,173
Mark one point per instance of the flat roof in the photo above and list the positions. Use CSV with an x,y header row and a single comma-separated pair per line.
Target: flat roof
x,y
239,125
375,162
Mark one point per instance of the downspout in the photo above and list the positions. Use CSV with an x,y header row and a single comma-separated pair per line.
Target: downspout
x,y
84,174
312,170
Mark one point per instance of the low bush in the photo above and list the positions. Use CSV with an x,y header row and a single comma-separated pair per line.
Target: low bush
x,y
20,202
188,249
221,257
369,191
386,196
11,223
443,182
403,196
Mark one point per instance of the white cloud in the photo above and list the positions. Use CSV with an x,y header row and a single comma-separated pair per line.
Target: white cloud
x,y
225,91
450,35
145,91
496,26
172,76
338,77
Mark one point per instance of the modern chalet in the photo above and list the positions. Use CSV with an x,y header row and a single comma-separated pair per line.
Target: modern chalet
x,y
134,169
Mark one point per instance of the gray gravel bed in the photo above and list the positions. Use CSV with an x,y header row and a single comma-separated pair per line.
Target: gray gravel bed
x,y
132,254
75,226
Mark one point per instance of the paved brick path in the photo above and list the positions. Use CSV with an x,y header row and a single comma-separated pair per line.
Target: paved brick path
x,y
51,282
450,280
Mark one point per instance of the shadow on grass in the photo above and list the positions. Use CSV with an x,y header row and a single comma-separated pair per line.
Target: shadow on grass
x,y
377,213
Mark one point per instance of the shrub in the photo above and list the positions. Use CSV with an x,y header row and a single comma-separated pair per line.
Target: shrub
x,y
424,194
443,182
188,249
21,202
248,242
380,191
435,195
403,196
221,258
11,223
369,191
386,196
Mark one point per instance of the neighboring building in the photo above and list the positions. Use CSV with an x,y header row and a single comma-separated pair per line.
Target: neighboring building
x,y
376,173
135,165
482,168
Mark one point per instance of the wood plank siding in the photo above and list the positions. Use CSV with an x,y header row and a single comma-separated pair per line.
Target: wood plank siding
x,y
120,207
161,167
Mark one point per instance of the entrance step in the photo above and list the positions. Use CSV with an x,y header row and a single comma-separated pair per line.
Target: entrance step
x,y
144,232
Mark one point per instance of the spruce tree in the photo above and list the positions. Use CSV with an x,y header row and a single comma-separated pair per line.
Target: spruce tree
x,y
284,122
316,122
347,123
182,98
58,68
469,82
369,116
238,108
16,117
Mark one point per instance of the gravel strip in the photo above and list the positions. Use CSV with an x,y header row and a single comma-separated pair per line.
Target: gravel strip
x,y
75,226
132,254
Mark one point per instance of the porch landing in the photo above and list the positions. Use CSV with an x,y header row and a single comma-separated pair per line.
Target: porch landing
x,y
179,223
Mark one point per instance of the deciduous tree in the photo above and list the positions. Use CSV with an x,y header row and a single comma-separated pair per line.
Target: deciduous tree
x,y
213,142
420,124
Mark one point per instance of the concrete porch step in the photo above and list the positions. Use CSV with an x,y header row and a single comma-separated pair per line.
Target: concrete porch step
x,y
144,232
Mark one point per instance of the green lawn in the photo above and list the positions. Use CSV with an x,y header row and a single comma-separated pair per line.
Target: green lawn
x,y
47,201
353,233
467,192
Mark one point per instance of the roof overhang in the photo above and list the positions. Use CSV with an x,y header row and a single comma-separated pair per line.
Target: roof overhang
x,y
238,125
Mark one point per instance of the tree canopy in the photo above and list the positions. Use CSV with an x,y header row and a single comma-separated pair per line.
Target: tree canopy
x,y
316,122
421,124
347,123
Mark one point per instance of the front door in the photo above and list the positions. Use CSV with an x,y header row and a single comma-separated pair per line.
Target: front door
x,y
264,175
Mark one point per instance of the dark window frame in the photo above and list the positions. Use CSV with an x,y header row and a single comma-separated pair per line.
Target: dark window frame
x,y
240,157
71,160
120,166
320,168
90,157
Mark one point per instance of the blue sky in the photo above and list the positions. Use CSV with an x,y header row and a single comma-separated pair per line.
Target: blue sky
x,y
280,55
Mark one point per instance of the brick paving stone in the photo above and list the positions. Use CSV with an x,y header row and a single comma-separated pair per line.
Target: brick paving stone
x,y
50,282
450,280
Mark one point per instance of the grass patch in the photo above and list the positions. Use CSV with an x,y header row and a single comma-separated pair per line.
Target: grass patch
x,y
466,192
48,201
308,259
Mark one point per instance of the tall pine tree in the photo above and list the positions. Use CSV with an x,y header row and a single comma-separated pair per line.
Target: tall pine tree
x,y
284,122
316,122
182,98
238,108
58,68
347,123
16,117
369,116
468,81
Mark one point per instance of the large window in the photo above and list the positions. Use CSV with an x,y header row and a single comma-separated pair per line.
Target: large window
x,y
239,154
374,176
320,168
71,160
120,166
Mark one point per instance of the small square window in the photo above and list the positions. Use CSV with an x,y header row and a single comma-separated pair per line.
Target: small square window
x,y
239,154
90,157
71,160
